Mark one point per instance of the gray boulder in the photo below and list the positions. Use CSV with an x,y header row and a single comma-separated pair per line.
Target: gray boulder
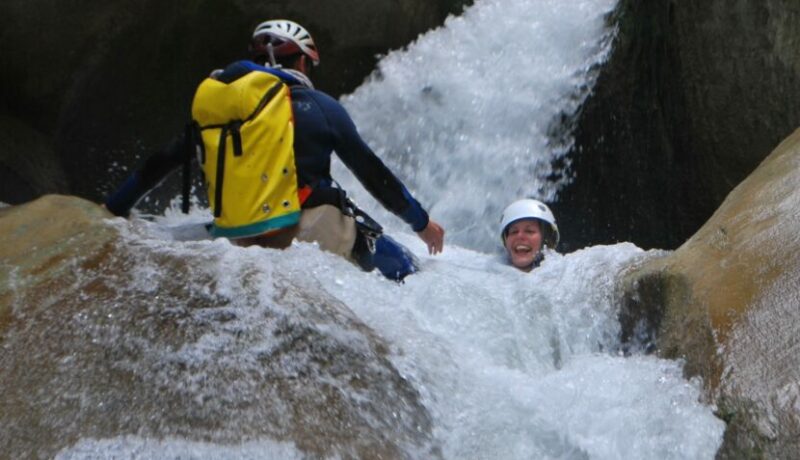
x,y
105,337
728,303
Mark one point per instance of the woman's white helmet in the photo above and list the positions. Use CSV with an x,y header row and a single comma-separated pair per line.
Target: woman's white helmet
x,y
530,209
286,38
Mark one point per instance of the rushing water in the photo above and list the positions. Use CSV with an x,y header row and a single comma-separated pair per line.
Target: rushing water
x,y
469,115
510,365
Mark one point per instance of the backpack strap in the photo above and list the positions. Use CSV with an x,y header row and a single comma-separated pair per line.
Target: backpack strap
x,y
220,172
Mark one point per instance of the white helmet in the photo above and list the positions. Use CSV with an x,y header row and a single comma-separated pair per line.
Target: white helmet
x,y
286,37
530,209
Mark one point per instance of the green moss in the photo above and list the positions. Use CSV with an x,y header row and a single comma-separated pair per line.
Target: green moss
x,y
742,440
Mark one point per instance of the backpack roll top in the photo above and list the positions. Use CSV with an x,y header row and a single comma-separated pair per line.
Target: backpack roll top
x,y
247,153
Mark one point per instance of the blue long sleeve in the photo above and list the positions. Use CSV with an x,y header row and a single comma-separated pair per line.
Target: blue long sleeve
x,y
322,126
154,170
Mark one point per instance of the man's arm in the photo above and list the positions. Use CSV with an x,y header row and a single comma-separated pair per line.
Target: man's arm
x,y
379,180
152,172
376,177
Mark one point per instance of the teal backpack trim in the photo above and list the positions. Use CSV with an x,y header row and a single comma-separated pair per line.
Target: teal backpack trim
x,y
257,228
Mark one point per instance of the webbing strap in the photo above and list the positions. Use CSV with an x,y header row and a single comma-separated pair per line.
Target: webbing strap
x,y
271,92
220,172
234,128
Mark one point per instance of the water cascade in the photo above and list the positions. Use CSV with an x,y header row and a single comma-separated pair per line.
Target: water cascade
x,y
470,115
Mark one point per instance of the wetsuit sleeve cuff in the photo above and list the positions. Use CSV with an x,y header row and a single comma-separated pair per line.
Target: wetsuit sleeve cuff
x,y
420,227
414,215
418,218
120,202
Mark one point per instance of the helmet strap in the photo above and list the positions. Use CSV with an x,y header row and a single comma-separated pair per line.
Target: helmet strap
x,y
538,259
271,55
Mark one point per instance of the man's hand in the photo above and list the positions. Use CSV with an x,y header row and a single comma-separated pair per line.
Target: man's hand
x,y
433,236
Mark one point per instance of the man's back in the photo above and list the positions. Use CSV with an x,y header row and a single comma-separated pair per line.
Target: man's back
x,y
322,126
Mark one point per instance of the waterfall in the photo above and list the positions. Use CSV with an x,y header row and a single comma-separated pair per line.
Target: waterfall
x,y
469,115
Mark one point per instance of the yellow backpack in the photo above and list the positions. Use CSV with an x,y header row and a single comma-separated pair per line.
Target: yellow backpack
x,y
246,150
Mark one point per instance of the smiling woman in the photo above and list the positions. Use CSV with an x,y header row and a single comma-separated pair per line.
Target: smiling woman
x,y
526,226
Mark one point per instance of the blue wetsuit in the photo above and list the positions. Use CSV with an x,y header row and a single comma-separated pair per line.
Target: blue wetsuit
x,y
322,126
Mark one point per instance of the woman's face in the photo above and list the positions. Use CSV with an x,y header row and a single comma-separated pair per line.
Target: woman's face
x,y
523,242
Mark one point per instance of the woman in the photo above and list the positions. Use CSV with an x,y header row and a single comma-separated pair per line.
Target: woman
x,y
526,227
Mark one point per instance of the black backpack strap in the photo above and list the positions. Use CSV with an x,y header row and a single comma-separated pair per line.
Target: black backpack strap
x,y
326,195
234,129
220,171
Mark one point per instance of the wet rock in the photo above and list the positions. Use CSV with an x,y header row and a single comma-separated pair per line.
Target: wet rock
x,y
107,83
104,335
727,301
28,166
693,98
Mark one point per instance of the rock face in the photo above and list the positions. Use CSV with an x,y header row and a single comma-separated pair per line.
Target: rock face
x,y
694,97
96,85
104,336
728,302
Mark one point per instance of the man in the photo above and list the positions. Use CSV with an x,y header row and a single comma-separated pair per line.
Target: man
x,y
321,126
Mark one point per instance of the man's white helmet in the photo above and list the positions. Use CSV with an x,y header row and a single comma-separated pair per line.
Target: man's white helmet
x,y
530,209
286,37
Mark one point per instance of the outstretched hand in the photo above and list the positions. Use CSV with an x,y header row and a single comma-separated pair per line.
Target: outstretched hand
x,y
433,236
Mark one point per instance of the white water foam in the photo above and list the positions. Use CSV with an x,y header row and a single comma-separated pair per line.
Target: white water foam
x,y
510,365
